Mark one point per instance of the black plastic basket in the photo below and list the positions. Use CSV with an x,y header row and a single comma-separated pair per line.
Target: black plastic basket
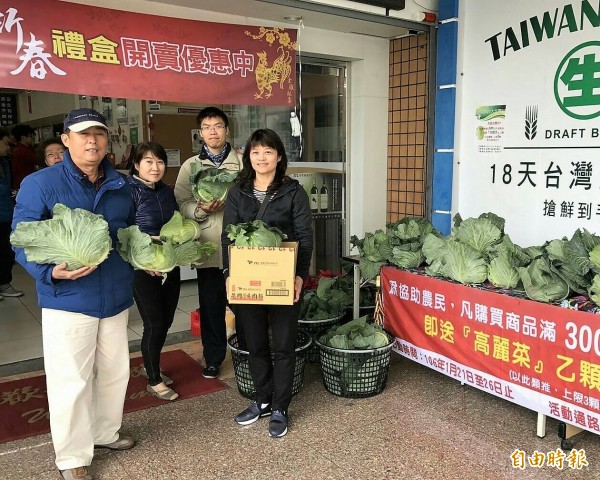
x,y
316,328
355,373
241,367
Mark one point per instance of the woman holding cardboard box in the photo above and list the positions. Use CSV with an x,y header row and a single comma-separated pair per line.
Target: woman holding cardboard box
x,y
263,179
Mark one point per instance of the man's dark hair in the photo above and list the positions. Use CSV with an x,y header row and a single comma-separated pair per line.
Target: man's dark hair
x,y
21,131
4,133
212,112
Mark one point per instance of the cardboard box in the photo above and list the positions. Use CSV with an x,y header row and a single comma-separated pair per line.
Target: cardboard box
x,y
262,275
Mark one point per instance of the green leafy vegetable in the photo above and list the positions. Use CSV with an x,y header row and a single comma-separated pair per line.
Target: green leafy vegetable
x,y
479,233
255,234
144,253
357,334
75,236
180,230
211,183
331,299
541,283
193,252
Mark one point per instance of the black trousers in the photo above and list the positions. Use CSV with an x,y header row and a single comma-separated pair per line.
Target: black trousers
x,y
157,303
7,256
272,370
213,301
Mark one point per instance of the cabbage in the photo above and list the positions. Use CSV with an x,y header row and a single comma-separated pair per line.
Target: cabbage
x,y
541,283
357,334
193,252
211,183
180,230
255,234
75,236
144,253
502,272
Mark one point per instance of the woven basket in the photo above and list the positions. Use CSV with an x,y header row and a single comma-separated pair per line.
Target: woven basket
x,y
355,373
241,367
316,328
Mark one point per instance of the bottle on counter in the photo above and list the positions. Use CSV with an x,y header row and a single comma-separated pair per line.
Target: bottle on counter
x,y
324,197
314,196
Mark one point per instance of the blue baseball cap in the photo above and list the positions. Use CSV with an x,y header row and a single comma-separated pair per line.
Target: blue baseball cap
x,y
82,118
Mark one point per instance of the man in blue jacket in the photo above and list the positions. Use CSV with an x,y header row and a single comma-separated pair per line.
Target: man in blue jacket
x,y
84,311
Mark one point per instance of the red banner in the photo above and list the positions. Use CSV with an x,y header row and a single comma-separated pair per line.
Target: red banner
x,y
540,356
64,47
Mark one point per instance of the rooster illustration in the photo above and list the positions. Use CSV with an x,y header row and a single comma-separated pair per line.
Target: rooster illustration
x,y
279,72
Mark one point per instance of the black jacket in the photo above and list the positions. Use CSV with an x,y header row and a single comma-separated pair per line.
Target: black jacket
x,y
153,206
288,210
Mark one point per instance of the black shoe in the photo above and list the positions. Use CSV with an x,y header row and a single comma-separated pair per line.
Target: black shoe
x,y
210,372
278,424
252,414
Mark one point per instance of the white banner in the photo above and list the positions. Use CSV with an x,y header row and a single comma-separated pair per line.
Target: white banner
x,y
525,397
528,116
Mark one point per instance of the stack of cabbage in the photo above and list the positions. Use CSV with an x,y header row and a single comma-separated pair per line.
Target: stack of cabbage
x,y
75,236
400,245
330,299
357,334
211,183
478,250
176,246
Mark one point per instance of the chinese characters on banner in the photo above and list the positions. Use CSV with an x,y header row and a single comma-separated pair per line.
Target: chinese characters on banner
x,y
539,356
59,46
528,110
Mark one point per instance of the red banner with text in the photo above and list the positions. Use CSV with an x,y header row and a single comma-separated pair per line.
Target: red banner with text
x,y
56,46
540,356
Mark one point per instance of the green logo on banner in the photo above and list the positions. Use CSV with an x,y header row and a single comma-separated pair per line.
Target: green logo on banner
x,y
577,82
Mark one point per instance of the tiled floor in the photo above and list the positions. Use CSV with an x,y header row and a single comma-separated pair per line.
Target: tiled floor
x,y
422,426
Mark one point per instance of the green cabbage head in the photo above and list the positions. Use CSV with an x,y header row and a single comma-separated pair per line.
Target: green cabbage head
x,y
211,183
143,252
255,234
75,236
180,230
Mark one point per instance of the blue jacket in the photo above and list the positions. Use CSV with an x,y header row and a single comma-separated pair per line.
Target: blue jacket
x,y
6,202
107,291
153,206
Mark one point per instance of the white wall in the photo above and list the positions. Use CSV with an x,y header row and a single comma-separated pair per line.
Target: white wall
x,y
528,74
43,105
368,101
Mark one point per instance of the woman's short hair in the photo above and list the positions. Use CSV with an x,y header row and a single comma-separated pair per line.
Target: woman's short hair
x,y
41,149
142,149
267,138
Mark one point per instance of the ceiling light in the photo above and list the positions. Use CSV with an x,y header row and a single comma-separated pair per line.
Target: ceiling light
x,y
293,18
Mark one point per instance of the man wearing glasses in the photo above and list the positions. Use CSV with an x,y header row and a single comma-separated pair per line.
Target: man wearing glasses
x,y
215,152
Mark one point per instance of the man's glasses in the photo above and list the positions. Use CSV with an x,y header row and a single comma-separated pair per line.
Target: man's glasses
x,y
217,128
57,154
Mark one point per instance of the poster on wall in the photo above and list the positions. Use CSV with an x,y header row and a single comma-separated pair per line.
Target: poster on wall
x,y
58,46
529,153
